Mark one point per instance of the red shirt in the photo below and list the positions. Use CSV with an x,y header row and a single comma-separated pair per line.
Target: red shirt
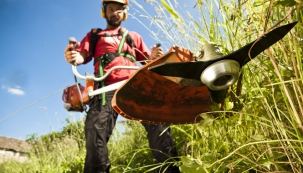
x,y
110,45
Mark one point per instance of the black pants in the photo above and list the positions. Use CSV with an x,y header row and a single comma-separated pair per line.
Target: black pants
x,y
99,125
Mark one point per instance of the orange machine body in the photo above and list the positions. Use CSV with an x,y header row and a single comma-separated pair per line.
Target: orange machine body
x,y
152,98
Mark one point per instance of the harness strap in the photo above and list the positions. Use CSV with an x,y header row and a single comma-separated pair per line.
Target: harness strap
x,y
94,37
122,41
105,59
108,57
103,98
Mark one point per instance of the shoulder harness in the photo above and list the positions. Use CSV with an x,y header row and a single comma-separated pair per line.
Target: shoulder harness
x,y
108,57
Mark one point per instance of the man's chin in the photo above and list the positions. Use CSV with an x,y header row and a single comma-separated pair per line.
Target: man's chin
x,y
114,23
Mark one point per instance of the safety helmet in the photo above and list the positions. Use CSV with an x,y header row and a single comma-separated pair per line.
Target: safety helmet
x,y
124,2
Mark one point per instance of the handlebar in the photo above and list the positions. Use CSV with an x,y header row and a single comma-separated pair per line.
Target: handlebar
x,y
93,78
90,77
88,91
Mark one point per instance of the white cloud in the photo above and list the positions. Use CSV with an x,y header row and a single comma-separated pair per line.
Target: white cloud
x,y
16,91
43,108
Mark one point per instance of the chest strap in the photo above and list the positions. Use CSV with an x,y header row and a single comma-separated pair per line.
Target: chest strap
x,y
109,57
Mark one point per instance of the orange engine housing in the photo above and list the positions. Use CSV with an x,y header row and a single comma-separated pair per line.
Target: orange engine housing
x,y
72,98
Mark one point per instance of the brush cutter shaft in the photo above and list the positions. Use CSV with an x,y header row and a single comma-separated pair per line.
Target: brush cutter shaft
x,y
74,68
91,93
106,89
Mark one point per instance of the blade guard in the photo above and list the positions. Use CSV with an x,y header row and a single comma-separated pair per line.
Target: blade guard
x,y
152,98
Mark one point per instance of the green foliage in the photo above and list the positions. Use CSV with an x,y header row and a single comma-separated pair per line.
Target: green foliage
x,y
73,166
286,3
190,165
64,151
129,149
259,126
169,9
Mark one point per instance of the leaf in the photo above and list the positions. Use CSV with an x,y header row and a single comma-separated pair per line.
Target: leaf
x,y
258,137
189,165
191,169
285,3
229,105
207,116
209,158
207,119
286,71
169,9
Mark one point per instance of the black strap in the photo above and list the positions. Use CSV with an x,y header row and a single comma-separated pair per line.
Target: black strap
x,y
128,38
94,37
108,57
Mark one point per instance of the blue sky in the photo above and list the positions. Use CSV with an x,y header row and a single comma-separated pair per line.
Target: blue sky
x,y
33,36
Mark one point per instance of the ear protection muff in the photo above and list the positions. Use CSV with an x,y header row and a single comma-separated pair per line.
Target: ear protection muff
x,y
102,12
125,15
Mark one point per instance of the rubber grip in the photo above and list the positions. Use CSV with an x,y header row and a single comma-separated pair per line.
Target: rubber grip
x,y
73,41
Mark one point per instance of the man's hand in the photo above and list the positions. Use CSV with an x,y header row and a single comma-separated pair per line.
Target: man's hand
x,y
155,52
72,56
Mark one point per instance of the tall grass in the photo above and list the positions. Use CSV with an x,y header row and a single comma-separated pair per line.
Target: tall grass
x,y
55,152
265,132
64,152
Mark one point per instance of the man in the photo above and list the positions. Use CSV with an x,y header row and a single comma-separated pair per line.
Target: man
x,y
101,118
